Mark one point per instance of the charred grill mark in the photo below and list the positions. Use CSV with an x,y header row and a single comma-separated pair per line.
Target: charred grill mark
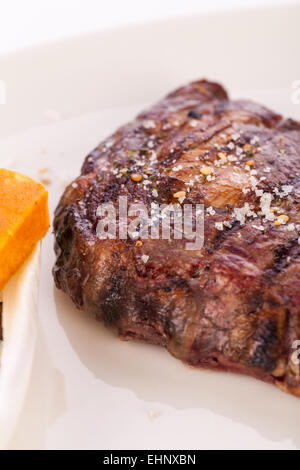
x,y
284,255
194,114
113,301
179,283
255,303
223,236
147,309
184,145
266,337
294,181
167,289
64,236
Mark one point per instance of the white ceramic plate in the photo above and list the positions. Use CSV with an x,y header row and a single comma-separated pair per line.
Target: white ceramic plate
x,y
19,322
88,389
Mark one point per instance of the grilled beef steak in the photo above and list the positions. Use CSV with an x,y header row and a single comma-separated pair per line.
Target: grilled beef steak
x,y
232,305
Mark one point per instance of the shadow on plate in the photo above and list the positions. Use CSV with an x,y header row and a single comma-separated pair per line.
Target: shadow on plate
x,y
46,387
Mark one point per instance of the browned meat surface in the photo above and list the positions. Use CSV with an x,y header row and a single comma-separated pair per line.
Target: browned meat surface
x,y
233,305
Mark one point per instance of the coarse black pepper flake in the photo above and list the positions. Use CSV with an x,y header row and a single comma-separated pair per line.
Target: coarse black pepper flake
x,y
194,114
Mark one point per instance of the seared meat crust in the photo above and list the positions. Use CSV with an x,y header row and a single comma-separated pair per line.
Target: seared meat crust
x,y
233,305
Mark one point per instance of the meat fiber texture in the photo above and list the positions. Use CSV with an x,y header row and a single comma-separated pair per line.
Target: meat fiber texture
x,y
233,304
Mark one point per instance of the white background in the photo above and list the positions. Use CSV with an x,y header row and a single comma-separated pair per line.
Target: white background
x,y
28,22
